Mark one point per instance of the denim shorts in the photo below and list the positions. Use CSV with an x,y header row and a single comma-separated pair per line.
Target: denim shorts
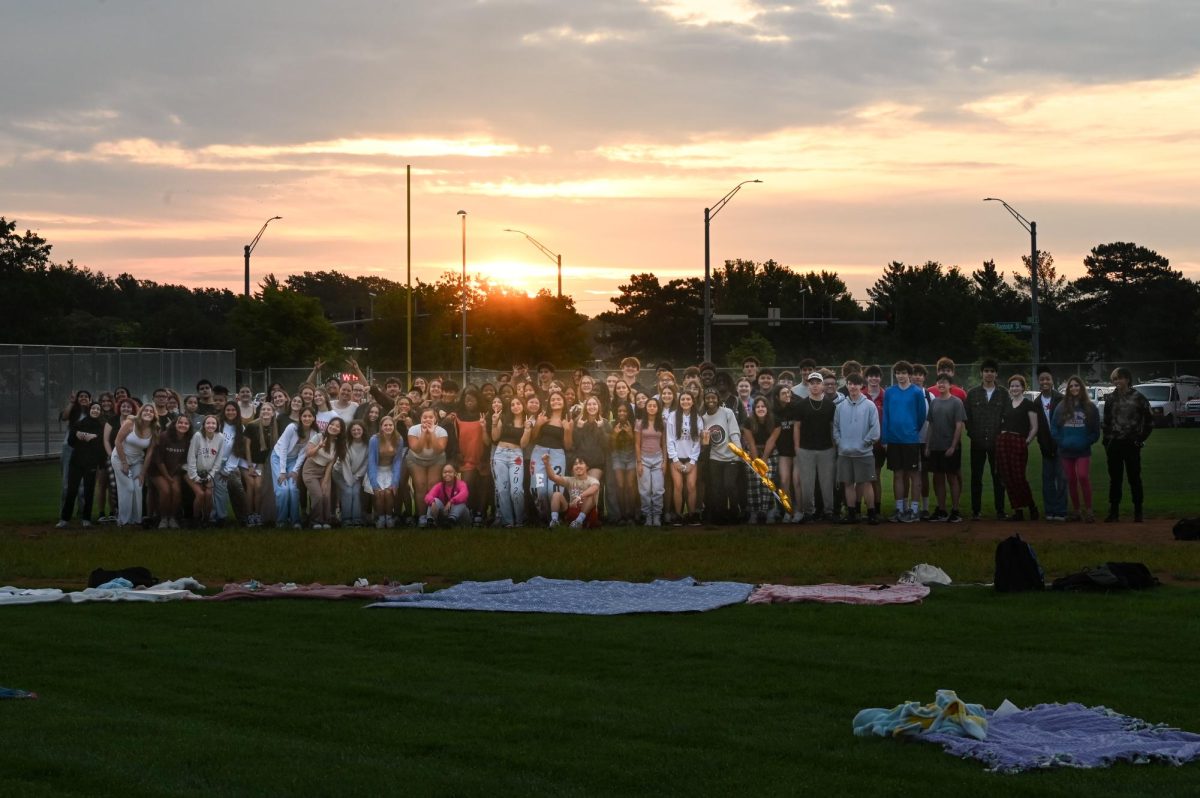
x,y
623,461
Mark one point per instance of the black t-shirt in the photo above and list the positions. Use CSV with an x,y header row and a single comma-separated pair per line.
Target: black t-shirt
x,y
1016,419
816,423
786,416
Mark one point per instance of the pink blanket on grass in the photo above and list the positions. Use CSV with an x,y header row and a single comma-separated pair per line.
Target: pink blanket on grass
x,y
839,594
313,591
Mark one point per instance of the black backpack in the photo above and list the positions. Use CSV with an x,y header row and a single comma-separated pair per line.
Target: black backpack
x,y
1187,529
139,576
1017,567
1109,576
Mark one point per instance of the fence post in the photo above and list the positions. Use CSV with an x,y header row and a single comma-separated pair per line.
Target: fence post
x,y
46,413
20,409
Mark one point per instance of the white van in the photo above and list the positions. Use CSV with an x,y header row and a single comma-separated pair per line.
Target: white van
x,y
1168,398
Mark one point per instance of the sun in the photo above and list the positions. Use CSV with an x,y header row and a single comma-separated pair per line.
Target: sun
x,y
527,278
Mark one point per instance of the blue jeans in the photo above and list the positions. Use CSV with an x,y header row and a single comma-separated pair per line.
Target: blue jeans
x,y
543,486
1054,487
287,495
508,467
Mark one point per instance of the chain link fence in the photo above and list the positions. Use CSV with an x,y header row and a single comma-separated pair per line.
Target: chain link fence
x,y
37,382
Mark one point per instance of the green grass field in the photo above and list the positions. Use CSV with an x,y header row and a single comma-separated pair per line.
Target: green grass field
x,y
283,698
330,699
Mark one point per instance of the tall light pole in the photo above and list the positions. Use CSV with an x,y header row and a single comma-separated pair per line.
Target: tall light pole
x,y
463,385
557,258
709,213
1035,327
250,248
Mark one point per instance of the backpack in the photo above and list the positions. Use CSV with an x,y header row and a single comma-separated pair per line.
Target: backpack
x,y
1109,576
1017,567
1187,529
141,577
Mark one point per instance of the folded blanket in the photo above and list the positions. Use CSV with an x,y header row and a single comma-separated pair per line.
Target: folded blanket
x,y
255,590
580,598
947,715
150,594
840,594
1070,735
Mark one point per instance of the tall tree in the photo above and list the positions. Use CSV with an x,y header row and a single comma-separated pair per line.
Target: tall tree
x,y
282,327
1131,304
929,311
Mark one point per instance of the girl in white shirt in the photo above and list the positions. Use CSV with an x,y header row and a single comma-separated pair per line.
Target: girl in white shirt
x,y
685,430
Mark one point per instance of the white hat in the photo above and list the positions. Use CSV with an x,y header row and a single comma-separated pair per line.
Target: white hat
x,y
816,375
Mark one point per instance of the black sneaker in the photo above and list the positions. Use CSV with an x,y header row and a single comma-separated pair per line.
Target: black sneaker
x,y
954,517
873,518
938,517
925,516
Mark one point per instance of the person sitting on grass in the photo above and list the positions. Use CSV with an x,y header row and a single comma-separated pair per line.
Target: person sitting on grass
x,y
446,501
579,499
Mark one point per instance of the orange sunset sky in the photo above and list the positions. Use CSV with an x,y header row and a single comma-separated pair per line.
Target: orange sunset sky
x,y
155,138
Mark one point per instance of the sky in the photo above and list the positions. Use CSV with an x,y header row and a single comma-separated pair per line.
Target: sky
x,y
155,138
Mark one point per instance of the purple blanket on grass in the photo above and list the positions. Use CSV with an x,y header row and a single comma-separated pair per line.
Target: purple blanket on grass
x,y
1070,735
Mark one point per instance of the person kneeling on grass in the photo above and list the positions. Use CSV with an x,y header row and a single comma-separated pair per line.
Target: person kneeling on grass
x,y
446,501
579,501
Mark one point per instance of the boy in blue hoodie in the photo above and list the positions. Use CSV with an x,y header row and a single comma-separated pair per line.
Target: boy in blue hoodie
x,y
904,409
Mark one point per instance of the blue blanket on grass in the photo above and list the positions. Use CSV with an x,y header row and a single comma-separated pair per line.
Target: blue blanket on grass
x,y
578,598
1070,735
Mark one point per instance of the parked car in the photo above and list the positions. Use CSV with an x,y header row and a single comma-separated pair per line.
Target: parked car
x,y
1191,412
1169,397
1097,393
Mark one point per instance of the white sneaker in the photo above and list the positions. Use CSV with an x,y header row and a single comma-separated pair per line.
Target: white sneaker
x,y
380,521
423,522
61,525
389,521
578,522
163,524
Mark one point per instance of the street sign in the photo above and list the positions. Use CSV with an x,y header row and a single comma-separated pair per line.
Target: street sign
x,y
1011,326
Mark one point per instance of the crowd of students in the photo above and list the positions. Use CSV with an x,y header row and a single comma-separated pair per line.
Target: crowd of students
x,y
540,448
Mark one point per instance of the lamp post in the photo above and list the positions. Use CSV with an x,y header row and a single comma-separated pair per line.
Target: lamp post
x,y
250,248
557,258
1035,327
709,213
463,214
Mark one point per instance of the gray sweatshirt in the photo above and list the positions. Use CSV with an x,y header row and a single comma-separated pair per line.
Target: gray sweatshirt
x,y
856,426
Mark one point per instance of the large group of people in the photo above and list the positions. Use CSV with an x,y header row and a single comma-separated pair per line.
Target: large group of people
x,y
536,447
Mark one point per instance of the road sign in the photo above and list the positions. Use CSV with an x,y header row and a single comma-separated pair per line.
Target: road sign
x,y
1011,326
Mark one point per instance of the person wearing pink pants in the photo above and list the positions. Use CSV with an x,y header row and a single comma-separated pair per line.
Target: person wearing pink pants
x,y
1075,426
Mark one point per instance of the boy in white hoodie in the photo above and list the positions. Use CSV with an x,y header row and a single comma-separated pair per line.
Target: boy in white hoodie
x,y
855,432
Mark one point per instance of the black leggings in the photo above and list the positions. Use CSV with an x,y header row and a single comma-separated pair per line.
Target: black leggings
x,y
722,497
1126,457
87,474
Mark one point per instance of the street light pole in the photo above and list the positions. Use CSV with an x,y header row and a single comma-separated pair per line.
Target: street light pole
x,y
557,258
709,213
1034,325
250,248
463,214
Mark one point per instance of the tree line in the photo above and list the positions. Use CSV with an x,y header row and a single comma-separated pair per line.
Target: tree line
x,y
1129,304
285,322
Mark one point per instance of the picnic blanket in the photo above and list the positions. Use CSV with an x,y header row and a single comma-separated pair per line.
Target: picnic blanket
x,y
840,594
255,590
1071,735
34,595
578,598
11,692
115,590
